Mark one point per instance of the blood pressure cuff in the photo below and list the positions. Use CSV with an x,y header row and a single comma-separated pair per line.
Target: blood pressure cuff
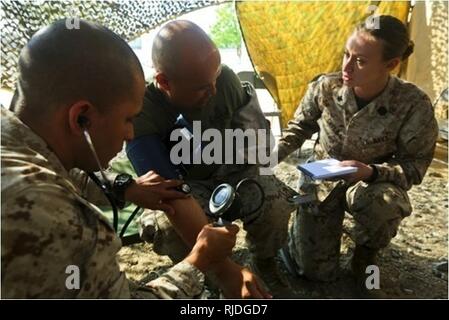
x,y
149,152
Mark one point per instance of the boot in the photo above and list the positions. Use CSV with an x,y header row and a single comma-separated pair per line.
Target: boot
x,y
362,258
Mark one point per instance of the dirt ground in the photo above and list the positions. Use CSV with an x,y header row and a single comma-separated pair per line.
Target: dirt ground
x,y
406,265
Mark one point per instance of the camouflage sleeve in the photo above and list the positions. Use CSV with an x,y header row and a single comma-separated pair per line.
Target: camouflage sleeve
x,y
416,145
183,281
304,124
88,188
45,231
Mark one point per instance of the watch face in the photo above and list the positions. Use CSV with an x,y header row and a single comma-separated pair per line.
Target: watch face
x,y
185,188
123,179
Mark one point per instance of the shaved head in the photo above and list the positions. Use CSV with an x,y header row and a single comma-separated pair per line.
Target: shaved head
x,y
180,46
187,64
60,66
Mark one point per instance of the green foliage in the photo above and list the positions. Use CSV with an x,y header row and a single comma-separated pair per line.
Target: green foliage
x,y
226,32
121,164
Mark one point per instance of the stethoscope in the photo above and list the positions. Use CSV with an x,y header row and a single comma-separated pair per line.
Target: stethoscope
x,y
106,185
225,204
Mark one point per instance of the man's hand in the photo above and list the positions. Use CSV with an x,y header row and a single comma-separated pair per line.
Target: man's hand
x,y
213,246
364,172
238,282
151,190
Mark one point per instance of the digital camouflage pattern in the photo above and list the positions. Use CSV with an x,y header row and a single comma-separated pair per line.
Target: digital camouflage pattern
x,y
396,132
47,225
314,242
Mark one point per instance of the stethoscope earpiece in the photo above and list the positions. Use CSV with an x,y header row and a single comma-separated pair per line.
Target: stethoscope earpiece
x,y
83,122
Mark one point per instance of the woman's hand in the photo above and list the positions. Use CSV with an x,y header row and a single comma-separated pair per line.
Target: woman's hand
x,y
364,171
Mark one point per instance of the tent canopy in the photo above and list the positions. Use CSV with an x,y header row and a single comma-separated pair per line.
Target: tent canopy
x,y
129,19
289,42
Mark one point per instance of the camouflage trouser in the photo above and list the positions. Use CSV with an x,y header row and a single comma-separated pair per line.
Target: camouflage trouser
x,y
267,228
315,235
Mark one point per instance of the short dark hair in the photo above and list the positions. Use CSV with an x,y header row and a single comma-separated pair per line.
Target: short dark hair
x,y
394,34
59,66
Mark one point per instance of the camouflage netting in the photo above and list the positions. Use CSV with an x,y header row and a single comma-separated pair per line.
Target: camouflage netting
x,y
292,42
21,19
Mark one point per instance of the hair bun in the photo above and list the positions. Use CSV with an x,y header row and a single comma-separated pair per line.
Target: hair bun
x,y
409,50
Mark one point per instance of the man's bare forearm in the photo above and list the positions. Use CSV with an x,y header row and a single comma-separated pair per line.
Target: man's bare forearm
x,y
235,280
188,220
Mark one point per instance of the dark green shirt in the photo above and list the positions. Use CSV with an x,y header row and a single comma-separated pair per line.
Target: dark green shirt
x,y
158,115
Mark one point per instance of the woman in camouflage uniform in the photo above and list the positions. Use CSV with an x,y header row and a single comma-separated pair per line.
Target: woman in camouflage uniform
x,y
374,121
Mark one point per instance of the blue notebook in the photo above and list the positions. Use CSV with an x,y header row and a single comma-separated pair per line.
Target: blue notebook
x,y
325,169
